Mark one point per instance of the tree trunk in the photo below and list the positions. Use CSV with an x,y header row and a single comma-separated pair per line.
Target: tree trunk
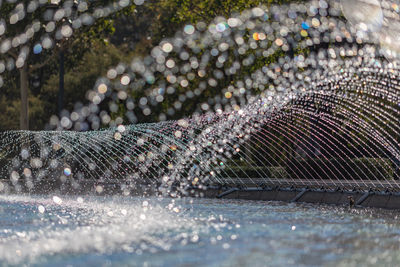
x,y
60,104
24,116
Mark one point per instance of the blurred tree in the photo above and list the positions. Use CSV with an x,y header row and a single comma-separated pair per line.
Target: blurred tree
x,y
82,75
129,32
159,19
45,28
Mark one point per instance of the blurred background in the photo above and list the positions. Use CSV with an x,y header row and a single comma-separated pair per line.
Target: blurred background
x,y
59,78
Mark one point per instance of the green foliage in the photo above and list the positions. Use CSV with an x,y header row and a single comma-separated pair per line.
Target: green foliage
x,y
82,76
338,168
274,172
244,172
44,65
133,31
173,14
378,168
278,172
315,168
9,113
250,169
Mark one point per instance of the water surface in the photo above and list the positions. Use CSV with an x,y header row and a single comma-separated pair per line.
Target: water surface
x,y
98,231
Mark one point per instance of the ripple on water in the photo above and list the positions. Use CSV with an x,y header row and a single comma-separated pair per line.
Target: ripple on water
x,y
192,231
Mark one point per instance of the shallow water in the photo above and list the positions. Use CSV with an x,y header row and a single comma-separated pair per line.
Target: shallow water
x,y
97,231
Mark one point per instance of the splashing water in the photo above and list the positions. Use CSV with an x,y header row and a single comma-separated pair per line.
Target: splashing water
x,y
92,225
319,104
293,95
132,231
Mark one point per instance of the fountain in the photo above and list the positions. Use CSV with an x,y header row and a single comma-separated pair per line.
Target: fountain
x,y
322,114
296,102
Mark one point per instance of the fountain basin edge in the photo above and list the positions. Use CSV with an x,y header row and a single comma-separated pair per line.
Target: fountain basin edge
x,y
357,198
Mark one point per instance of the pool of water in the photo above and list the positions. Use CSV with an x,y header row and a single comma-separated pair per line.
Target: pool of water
x,y
103,231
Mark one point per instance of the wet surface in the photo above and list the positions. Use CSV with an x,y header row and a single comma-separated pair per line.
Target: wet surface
x,y
77,231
